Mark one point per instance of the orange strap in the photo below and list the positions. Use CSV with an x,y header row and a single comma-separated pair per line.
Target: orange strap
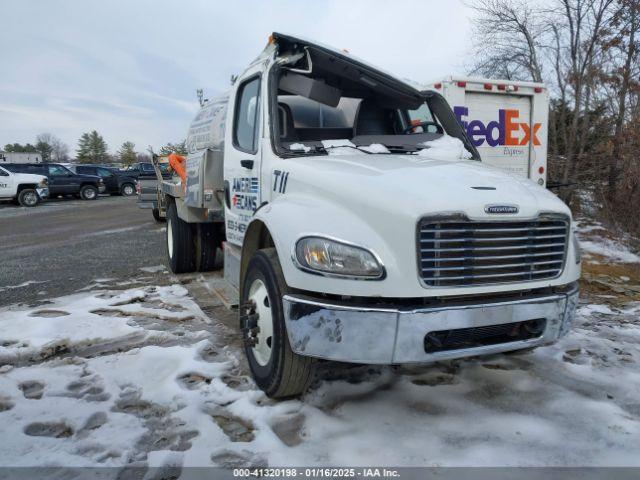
x,y
177,163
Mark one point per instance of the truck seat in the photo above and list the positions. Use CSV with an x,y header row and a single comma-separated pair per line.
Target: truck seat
x,y
372,119
285,118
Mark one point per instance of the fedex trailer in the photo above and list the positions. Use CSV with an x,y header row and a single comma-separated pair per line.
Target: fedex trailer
x,y
507,121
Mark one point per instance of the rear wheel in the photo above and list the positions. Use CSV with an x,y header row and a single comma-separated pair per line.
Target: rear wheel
x,y
180,243
88,192
156,216
277,370
207,242
127,189
28,198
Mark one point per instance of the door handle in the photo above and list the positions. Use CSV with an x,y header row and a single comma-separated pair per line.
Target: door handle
x,y
248,164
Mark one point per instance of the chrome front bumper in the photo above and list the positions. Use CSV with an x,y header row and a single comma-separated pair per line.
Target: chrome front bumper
x,y
358,334
43,192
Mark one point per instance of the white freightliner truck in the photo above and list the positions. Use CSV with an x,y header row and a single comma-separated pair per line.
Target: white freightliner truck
x,y
359,225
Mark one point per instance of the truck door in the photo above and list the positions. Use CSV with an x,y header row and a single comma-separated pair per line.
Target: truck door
x,y
7,187
243,155
110,179
500,127
61,180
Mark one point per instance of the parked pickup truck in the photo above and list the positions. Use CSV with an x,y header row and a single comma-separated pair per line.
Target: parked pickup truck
x,y
24,188
359,224
62,181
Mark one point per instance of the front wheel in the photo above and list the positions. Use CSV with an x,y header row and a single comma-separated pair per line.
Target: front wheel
x,y
88,192
28,198
276,369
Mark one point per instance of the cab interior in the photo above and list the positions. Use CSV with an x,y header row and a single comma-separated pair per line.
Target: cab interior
x,y
321,95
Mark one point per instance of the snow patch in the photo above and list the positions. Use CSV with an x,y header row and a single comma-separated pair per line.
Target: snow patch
x,y
375,148
299,147
611,249
341,147
445,148
154,269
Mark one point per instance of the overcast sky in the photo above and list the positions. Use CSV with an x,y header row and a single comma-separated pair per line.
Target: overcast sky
x,y
129,69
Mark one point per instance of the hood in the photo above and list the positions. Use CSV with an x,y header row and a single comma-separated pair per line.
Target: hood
x,y
31,177
415,186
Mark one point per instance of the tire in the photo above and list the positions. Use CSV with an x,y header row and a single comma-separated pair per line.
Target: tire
x,y
28,197
180,243
276,369
156,216
88,192
127,190
207,242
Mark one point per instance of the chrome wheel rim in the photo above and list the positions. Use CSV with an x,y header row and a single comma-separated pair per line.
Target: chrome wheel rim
x,y
170,237
264,339
128,190
30,198
89,193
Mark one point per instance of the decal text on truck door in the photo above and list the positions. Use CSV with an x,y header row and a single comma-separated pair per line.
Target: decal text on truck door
x,y
280,179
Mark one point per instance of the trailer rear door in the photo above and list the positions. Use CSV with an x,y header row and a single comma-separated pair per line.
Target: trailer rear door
x,y
499,126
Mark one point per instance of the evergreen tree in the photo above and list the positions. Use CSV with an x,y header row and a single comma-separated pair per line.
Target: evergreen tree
x,y
44,145
127,153
92,148
82,153
17,148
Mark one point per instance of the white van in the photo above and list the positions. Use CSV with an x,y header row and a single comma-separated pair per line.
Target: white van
x,y
506,120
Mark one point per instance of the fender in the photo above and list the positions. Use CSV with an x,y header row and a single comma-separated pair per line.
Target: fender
x,y
293,216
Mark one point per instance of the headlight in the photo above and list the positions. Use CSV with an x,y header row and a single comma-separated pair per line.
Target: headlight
x,y
576,248
44,182
335,258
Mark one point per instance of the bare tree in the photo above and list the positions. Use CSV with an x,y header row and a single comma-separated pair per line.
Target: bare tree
x,y
60,152
626,20
507,36
582,25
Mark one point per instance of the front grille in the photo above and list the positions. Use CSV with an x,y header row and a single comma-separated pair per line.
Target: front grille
x,y
444,340
461,253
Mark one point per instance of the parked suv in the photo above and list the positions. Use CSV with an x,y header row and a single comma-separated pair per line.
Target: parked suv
x,y
62,181
24,188
115,181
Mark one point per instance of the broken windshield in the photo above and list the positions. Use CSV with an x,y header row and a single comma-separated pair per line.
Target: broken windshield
x,y
320,100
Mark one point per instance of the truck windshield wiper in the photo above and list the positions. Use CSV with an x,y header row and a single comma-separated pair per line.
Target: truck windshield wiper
x,y
315,149
321,148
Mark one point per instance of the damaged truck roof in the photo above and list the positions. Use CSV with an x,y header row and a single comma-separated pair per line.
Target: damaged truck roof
x,y
350,74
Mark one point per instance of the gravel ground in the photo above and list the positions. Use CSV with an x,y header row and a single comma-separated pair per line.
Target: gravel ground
x,y
63,245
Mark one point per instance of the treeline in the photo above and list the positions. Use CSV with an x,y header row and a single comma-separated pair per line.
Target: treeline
x,y
587,53
92,148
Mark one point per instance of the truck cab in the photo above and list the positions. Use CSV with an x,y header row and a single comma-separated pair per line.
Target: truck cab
x,y
26,189
359,224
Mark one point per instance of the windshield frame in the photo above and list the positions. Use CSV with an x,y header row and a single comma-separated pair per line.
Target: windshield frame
x,y
430,98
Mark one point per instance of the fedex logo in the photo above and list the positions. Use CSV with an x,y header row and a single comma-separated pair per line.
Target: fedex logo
x,y
505,131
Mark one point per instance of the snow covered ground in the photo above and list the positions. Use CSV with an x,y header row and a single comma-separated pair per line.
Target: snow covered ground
x,y
143,376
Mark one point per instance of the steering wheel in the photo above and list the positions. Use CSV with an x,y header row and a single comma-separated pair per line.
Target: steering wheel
x,y
424,126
